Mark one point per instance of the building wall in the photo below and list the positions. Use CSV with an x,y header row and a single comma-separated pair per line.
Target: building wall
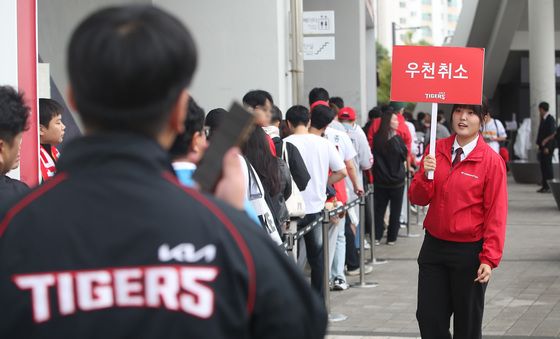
x,y
56,20
241,47
344,76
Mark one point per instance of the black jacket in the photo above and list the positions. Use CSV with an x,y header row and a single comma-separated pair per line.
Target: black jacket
x,y
547,127
124,251
388,162
11,190
298,170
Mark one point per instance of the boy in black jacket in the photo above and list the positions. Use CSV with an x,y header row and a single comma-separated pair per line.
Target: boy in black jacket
x,y
135,254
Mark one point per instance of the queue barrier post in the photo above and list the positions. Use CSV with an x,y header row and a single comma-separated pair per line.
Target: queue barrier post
x,y
407,186
291,240
374,260
363,283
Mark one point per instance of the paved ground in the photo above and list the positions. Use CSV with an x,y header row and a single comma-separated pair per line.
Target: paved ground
x,y
522,300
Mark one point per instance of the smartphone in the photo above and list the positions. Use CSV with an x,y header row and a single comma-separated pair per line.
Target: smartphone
x,y
233,130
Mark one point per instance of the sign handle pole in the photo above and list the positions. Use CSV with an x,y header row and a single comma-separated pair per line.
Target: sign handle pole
x,y
433,128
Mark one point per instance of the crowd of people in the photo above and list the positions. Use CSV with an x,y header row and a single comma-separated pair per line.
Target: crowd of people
x,y
137,239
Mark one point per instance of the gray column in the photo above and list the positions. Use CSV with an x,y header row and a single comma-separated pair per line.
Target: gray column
x,y
371,73
541,59
384,18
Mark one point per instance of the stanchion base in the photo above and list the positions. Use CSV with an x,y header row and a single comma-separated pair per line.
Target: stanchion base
x,y
410,235
380,261
336,317
364,285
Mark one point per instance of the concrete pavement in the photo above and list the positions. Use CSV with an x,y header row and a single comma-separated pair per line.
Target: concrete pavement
x,y
522,299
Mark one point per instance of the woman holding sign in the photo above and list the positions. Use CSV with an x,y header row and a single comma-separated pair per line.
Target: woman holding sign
x,y
465,227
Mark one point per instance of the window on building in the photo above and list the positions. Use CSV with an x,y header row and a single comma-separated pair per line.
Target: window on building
x,y
402,4
427,16
402,21
426,2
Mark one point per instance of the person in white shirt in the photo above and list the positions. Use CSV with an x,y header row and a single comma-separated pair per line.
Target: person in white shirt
x,y
337,239
362,161
319,156
493,132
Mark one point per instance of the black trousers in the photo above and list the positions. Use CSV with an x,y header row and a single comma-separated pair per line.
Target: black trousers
x,y
352,255
546,168
314,248
446,286
382,197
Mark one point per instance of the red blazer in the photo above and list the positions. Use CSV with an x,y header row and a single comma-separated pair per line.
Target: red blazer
x,y
467,203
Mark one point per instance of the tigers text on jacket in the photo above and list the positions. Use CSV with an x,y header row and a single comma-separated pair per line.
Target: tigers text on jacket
x,y
114,247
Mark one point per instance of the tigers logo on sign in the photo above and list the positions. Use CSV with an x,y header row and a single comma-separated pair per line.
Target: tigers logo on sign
x,y
445,75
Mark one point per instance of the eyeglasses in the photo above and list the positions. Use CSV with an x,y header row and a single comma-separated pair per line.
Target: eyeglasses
x,y
206,131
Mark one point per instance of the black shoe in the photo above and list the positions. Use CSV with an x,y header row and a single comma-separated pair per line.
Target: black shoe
x,y
544,190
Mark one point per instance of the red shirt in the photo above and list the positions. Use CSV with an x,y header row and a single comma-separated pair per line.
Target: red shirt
x,y
467,202
48,163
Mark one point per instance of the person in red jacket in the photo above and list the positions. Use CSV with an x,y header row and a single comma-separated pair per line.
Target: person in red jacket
x,y
465,227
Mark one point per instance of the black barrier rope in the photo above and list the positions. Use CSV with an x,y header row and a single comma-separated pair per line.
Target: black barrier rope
x,y
291,238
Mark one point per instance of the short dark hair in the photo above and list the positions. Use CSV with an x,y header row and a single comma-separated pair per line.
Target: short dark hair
x,y
544,106
420,116
193,123
297,115
374,113
127,66
337,101
48,109
387,108
213,119
408,115
13,114
321,116
317,94
257,98
276,114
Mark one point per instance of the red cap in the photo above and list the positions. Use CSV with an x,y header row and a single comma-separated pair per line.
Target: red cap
x,y
347,113
317,103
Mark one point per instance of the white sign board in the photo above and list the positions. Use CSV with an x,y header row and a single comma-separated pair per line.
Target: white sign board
x,y
318,22
318,48
44,80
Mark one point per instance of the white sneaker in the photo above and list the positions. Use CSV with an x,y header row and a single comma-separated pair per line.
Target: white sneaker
x,y
340,285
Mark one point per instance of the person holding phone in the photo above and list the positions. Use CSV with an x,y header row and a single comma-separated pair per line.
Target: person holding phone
x,y
465,227
135,253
